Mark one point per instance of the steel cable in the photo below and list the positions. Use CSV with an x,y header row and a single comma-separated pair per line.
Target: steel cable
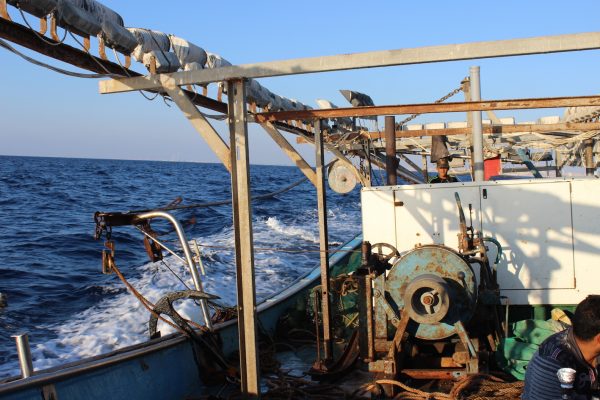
x,y
8,47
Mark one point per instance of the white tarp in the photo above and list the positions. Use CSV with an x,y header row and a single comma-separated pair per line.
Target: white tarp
x,y
149,40
188,53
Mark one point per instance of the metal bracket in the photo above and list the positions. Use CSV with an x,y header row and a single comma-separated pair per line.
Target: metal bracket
x,y
4,10
49,392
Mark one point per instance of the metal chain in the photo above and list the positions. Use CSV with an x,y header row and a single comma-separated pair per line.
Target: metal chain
x,y
441,100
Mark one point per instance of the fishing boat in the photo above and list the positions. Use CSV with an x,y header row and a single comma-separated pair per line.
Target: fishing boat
x,y
431,288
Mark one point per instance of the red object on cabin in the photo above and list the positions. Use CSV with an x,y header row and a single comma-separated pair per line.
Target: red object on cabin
x,y
492,167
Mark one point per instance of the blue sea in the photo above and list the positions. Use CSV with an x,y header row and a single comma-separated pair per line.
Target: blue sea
x,y
50,268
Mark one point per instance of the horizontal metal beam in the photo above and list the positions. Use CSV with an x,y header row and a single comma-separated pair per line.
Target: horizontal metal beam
x,y
513,104
453,52
495,129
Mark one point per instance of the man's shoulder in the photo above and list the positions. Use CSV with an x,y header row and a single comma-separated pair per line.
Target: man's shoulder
x,y
557,347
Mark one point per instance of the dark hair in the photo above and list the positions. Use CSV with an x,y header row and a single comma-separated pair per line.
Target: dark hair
x,y
586,321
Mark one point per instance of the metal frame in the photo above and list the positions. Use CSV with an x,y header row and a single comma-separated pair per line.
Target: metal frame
x,y
244,248
238,151
386,58
498,129
323,241
423,108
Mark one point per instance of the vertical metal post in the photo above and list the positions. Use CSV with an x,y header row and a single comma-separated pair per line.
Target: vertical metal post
x,y
323,240
466,88
589,157
370,329
369,166
188,257
391,162
557,163
24,353
477,138
244,251
425,170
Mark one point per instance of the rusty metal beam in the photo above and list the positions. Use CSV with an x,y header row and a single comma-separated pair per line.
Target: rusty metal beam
x,y
446,374
391,162
496,129
511,104
385,58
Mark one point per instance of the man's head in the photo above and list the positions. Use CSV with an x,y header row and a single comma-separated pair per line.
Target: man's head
x,y
586,322
442,168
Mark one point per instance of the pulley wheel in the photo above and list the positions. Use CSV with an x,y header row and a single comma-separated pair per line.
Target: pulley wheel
x,y
341,178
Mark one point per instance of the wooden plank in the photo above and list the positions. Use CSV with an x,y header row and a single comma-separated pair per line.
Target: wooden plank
x,y
496,129
290,152
429,54
511,104
204,128
244,250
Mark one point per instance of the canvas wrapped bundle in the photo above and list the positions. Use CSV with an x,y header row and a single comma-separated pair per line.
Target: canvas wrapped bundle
x,y
147,41
275,102
257,94
39,8
216,61
165,61
190,56
287,104
85,16
344,122
91,18
154,45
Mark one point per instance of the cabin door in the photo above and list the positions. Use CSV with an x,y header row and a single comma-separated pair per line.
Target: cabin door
x,y
533,223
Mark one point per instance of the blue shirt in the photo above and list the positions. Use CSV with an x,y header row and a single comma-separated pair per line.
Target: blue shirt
x,y
559,351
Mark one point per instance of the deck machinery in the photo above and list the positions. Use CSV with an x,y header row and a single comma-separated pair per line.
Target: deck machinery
x,y
430,313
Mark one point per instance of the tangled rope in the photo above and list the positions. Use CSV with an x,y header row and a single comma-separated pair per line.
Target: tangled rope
x,y
476,387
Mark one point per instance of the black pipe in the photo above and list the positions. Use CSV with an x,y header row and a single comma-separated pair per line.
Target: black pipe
x,y
391,162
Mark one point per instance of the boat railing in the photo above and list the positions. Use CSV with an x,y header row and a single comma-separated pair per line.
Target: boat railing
x,y
105,222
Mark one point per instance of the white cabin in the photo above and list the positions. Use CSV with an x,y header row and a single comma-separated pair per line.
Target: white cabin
x,y
549,230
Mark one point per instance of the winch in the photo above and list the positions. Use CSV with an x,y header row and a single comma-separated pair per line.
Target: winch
x,y
430,313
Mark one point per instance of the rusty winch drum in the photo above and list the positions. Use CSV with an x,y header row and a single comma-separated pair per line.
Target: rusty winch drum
x,y
436,286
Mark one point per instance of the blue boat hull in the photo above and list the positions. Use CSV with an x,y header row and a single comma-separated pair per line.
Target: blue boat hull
x,y
163,368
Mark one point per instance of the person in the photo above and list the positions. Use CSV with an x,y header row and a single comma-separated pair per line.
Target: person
x,y
577,347
442,170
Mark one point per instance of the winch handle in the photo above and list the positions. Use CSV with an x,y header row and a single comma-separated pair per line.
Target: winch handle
x,y
461,213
